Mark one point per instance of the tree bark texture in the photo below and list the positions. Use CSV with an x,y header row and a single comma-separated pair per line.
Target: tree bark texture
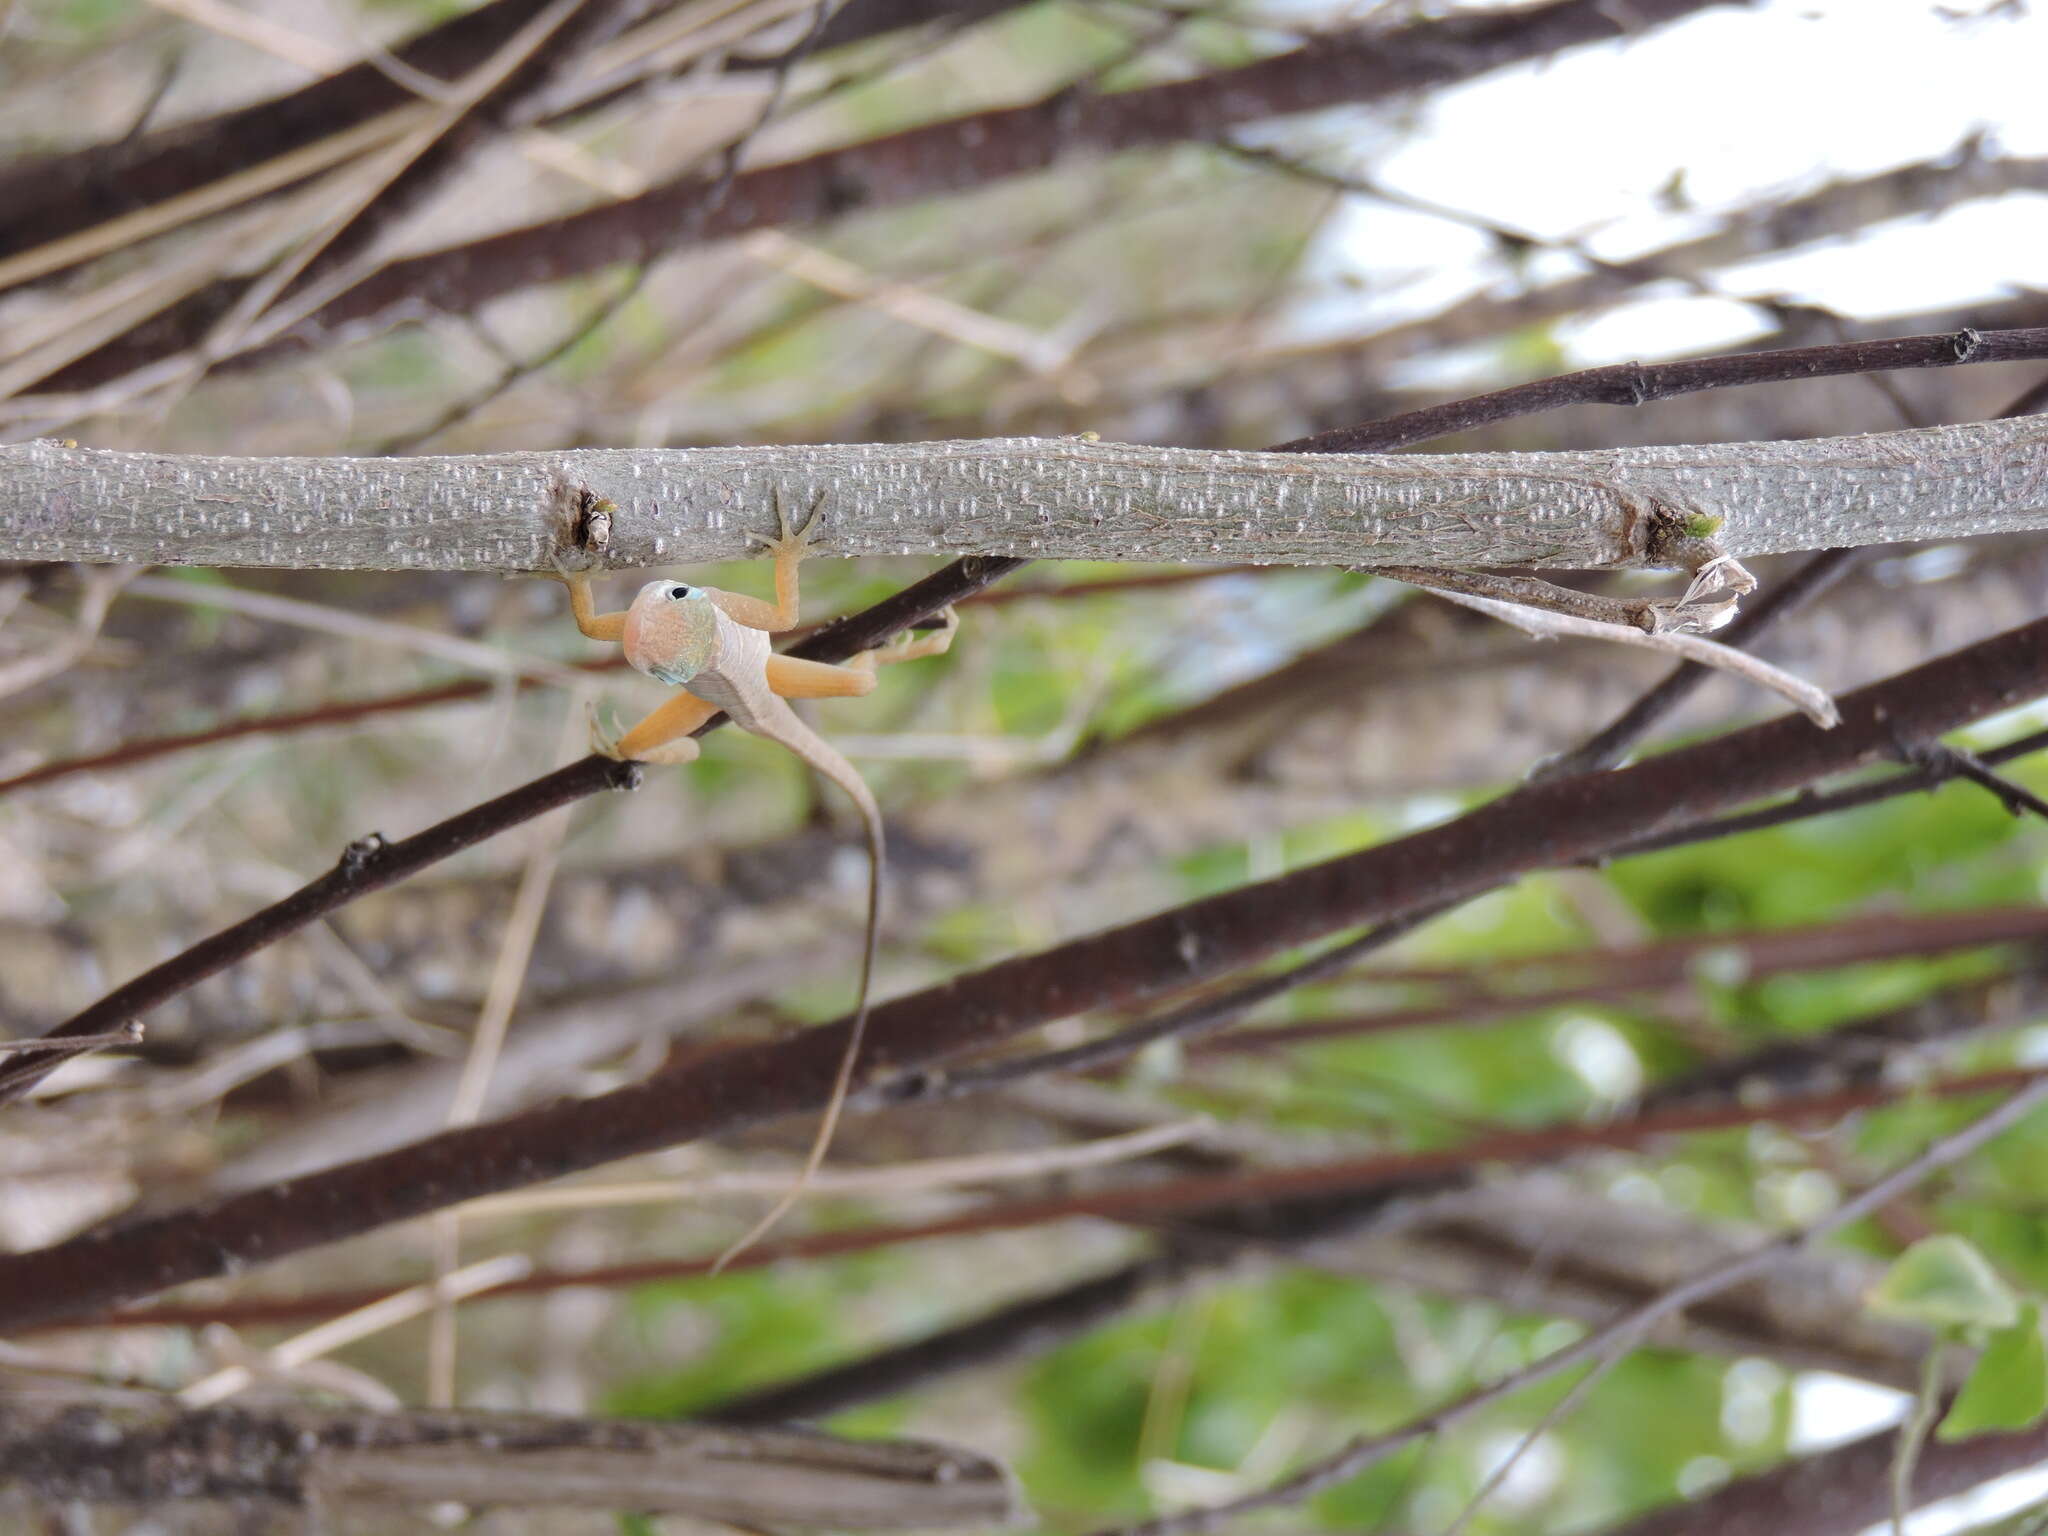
x,y
135,1447
1059,498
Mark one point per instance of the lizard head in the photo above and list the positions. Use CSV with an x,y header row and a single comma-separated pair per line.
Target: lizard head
x,y
671,631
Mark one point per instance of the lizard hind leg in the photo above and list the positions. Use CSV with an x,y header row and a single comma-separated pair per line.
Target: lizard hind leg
x,y
794,678
911,646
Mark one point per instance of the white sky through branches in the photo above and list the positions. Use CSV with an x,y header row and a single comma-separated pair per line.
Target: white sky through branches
x,y
1750,104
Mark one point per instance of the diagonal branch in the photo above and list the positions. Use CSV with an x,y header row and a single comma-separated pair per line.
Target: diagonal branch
x,y
371,864
942,157
54,196
1539,827
1647,383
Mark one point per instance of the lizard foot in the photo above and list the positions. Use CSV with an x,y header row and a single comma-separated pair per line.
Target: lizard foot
x,y
569,575
792,540
604,742
913,646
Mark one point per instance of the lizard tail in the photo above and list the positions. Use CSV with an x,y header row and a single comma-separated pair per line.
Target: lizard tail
x,y
787,730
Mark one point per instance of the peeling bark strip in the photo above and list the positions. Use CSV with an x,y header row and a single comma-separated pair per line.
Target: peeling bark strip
x,y
142,1448
1053,498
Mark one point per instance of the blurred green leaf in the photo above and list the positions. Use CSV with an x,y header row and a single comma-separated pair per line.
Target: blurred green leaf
x,y
1943,1282
2008,1387
761,1326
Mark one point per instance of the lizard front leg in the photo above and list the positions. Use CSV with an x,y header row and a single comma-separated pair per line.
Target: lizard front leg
x,y
789,549
664,737
598,626
794,678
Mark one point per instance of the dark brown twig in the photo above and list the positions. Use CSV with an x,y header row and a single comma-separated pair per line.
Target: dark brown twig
x,y
1946,762
1266,1205
348,711
58,195
916,163
1641,383
372,864
1805,804
369,864
1542,826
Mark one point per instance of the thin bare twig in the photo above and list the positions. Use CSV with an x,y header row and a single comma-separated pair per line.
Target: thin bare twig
x,y
1604,1342
1610,745
359,1323
1190,1205
102,585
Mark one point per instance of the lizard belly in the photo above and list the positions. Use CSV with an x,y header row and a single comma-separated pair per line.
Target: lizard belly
x,y
737,678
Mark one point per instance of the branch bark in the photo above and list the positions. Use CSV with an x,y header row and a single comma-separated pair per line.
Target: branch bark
x,y
1059,498
136,1447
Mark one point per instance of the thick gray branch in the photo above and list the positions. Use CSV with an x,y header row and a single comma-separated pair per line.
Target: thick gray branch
x,y
133,1447
1043,497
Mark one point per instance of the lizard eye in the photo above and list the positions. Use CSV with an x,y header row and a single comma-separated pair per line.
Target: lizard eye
x,y
678,593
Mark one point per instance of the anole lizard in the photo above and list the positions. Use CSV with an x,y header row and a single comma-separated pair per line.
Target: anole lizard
x,y
714,645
